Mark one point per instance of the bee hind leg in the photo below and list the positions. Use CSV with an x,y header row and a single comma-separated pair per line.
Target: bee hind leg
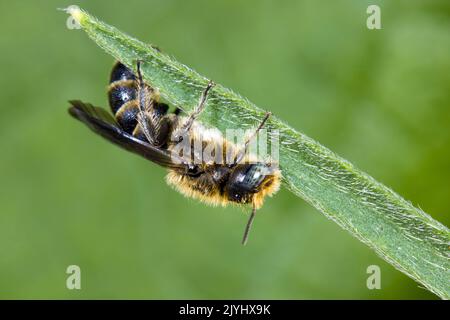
x,y
151,116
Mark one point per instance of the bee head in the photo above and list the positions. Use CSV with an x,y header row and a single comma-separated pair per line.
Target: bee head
x,y
246,180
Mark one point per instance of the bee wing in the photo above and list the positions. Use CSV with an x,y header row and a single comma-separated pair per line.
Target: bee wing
x,y
103,123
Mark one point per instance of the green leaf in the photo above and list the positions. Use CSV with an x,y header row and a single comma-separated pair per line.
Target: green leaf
x,y
403,235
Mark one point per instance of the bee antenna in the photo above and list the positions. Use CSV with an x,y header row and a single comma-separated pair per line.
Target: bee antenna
x,y
249,225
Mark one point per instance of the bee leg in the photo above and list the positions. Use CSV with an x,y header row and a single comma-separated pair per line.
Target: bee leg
x,y
244,150
177,111
144,105
151,119
199,108
249,226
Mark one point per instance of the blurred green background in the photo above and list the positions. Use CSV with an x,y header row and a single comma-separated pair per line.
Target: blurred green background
x,y
379,98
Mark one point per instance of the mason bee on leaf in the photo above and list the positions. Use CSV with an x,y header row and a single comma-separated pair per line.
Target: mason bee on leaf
x,y
143,125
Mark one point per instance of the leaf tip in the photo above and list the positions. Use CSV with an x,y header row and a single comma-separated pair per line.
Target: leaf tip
x,y
75,12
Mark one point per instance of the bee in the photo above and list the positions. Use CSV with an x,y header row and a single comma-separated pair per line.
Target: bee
x,y
143,125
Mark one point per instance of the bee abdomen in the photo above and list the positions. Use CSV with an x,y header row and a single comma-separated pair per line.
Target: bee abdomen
x,y
121,72
123,100
126,116
122,94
